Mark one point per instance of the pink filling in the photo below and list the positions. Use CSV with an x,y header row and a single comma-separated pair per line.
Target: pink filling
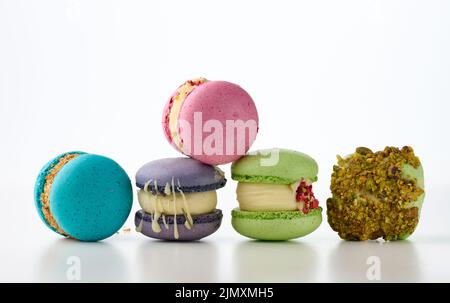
x,y
305,197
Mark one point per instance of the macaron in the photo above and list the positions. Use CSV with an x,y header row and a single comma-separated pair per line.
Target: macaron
x,y
376,194
214,122
178,199
274,191
83,196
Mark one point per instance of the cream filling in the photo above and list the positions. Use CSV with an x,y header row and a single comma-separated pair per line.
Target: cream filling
x,y
45,196
175,203
266,197
195,203
178,101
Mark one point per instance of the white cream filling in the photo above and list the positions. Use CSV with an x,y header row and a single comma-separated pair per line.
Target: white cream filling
x,y
194,203
178,101
266,197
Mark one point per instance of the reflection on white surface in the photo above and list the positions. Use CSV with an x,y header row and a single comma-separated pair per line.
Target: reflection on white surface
x,y
99,262
186,262
257,261
130,258
399,261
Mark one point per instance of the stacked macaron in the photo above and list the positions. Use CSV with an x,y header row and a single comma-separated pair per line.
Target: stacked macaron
x,y
275,196
208,121
88,197
178,199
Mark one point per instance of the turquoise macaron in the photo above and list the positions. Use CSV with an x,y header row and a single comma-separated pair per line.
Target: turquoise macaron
x,y
83,196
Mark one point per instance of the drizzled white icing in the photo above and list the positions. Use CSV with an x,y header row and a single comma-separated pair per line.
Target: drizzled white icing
x,y
175,224
174,202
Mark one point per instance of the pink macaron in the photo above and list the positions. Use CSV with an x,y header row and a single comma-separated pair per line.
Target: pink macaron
x,y
214,122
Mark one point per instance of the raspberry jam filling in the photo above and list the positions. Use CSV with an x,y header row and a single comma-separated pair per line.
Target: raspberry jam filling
x,y
305,197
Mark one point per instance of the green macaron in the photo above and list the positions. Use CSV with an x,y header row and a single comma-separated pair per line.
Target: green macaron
x,y
275,195
277,166
277,225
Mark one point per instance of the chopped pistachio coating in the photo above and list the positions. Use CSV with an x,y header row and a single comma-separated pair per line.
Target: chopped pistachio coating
x,y
372,198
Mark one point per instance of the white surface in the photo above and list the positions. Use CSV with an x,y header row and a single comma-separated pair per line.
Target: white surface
x,y
30,252
327,76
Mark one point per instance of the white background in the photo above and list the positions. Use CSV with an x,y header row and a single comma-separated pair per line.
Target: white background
x,y
326,76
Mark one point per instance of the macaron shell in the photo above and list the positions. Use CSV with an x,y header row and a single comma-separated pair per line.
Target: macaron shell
x,y
275,166
219,101
91,197
204,225
416,174
188,174
275,226
40,183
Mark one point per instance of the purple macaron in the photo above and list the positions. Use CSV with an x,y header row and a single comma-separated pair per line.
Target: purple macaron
x,y
178,199
189,175
204,225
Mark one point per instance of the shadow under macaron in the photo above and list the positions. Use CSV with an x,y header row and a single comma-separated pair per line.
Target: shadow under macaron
x,y
69,260
161,261
257,261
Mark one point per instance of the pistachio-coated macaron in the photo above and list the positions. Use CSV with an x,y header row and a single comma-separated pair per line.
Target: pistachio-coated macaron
x,y
376,194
